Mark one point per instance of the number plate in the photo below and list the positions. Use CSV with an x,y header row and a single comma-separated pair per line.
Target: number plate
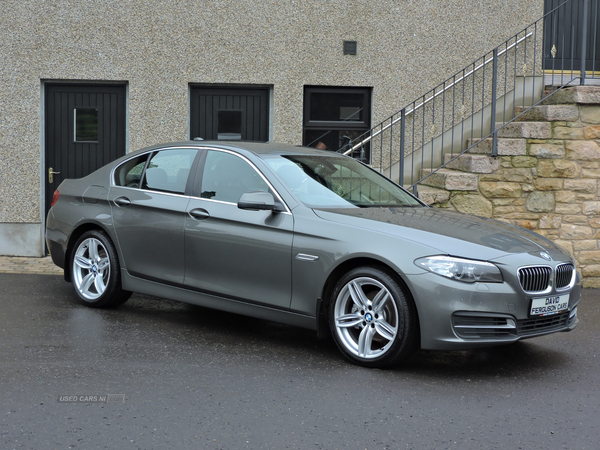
x,y
546,306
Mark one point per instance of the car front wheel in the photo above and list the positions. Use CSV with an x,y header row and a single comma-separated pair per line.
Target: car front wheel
x,y
96,273
372,318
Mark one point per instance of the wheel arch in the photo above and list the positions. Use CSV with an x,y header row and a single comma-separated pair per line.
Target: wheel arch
x,y
338,273
75,235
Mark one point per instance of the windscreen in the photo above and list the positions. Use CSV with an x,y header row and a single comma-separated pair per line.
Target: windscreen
x,y
337,181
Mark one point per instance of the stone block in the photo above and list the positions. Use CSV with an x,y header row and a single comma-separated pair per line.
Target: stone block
x,y
500,189
590,114
582,150
586,95
592,132
547,151
585,245
590,283
594,223
567,133
567,208
549,184
591,208
473,163
530,130
550,221
561,97
517,175
581,185
472,204
564,196
575,232
558,168
523,216
577,220
581,197
433,196
527,224
502,201
451,180
590,173
540,201
589,257
502,210
593,270
506,147
512,147
524,161
550,113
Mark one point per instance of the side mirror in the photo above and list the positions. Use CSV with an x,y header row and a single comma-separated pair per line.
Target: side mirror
x,y
257,201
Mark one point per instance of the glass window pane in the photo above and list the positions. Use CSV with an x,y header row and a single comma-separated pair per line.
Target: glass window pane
x,y
336,140
331,181
230,125
226,177
336,107
130,173
168,170
86,125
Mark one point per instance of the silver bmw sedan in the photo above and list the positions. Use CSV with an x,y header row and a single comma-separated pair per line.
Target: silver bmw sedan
x,y
308,238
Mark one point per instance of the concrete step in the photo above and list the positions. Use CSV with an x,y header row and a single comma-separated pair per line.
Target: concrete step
x,y
433,196
472,163
548,113
451,180
528,130
506,147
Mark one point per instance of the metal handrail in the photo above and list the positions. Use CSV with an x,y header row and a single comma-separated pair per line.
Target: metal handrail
x,y
454,83
442,125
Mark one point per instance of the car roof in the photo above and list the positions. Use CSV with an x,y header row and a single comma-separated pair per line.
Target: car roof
x,y
258,148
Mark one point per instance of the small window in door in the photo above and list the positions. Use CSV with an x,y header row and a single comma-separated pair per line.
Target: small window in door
x,y
168,170
86,125
230,125
226,177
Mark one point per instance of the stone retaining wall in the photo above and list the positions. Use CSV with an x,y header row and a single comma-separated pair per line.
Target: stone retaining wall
x,y
547,176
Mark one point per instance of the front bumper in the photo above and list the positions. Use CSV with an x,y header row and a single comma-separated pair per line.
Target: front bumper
x,y
455,315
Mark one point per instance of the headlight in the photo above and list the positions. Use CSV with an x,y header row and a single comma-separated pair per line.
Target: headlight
x,y
460,269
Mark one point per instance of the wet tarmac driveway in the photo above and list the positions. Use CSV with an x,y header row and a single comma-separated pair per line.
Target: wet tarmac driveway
x,y
155,374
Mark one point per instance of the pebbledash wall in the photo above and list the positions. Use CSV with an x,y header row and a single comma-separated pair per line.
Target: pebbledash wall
x,y
160,48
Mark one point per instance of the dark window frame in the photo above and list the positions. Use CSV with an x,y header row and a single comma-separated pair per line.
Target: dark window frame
x,y
360,127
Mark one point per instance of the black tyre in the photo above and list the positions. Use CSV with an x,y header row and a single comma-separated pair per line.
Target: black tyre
x,y
95,271
372,318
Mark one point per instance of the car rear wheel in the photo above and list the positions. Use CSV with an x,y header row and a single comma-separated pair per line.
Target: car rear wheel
x,y
372,318
96,272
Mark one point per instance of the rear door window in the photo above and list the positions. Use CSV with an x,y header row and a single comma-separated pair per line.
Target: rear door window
x,y
169,170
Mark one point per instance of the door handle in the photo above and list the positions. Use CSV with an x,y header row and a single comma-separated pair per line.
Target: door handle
x,y
51,174
122,201
199,214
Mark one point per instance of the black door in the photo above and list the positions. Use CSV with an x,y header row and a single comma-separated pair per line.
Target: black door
x,y
84,130
229,114
563,26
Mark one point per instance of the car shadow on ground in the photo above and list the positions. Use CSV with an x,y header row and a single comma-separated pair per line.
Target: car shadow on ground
x,y
517,359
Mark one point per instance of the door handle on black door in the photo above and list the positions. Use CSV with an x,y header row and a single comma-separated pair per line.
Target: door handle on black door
x,y
122,201
199,214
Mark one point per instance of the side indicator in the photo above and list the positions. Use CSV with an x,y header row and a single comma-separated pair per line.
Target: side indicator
x,y
54,198
305,257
